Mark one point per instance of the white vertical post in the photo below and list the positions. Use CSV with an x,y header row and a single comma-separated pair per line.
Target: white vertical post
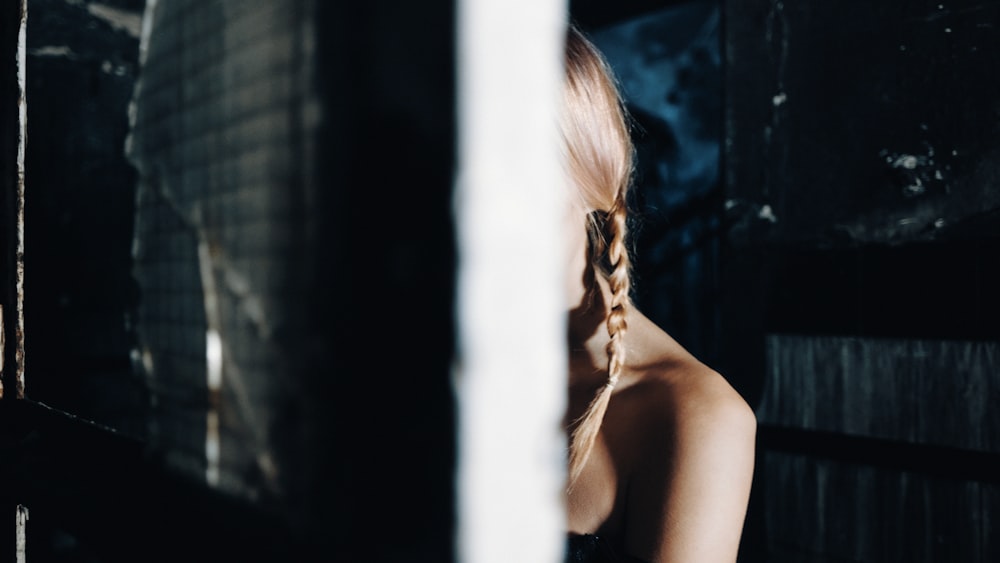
x,y
21,534
511,367
22,140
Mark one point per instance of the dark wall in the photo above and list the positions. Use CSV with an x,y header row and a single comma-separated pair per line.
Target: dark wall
x,y
287,185
841,273
389,259
860,176
81,70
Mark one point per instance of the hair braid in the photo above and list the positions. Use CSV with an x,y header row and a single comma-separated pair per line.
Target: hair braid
x,y
588,426
599,153
620,282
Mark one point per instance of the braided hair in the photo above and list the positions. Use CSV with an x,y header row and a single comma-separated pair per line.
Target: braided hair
x,y
599,154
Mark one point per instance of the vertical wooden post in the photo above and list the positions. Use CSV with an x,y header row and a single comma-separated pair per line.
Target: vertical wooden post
x,y
13,138
13,121
2,348
511,368
22,138
21,534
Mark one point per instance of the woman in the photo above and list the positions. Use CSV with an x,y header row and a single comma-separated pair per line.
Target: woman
x,y
661,447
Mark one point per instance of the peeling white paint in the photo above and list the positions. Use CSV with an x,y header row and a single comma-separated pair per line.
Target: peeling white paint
x,y
907,161
22,109
21,534
237,284
767,214
146,30
2,352
213,447
147,360
129,22
53,51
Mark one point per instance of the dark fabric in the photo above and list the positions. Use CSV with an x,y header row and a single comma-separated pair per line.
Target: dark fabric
x,y
588,548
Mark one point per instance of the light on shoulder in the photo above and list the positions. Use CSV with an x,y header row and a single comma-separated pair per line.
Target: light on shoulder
x,y
674,389
689,399
692,480
706,397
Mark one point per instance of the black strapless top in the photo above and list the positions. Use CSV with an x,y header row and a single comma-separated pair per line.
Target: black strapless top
x,y
588,548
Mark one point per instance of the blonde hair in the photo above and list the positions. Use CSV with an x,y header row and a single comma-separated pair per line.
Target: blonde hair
x,y
599,156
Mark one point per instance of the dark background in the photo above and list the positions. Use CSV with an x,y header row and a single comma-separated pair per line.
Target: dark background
x,y
816,217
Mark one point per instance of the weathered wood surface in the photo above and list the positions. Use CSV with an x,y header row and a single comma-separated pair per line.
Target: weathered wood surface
x,y
844,127
936,392
844,134
824,511
13,141
990,522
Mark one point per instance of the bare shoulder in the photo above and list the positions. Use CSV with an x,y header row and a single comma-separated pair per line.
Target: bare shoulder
x,y
690,398
681,405
678,394
693,440
679,397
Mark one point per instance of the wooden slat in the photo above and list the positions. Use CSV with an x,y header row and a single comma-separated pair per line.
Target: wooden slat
x,y
922,391
825,511
989,524
13,116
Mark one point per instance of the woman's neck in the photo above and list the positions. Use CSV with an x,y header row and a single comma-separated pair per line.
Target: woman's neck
x,y
588,336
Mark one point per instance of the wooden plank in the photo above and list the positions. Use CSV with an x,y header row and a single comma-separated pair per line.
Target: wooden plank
x,y
934,392
990,524
13,138
22,138
830,511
